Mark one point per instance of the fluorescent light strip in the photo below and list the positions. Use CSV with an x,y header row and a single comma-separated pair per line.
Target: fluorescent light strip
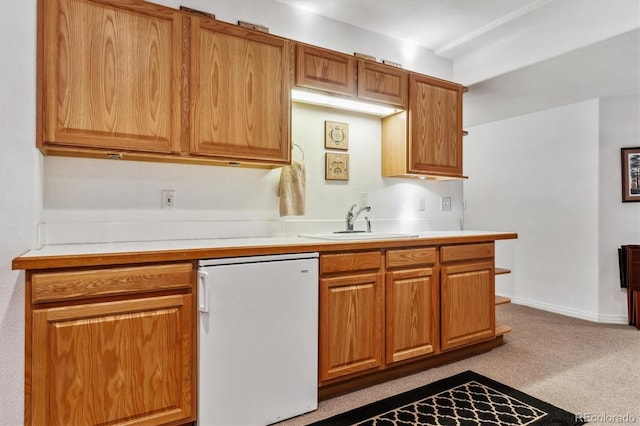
x,y
340,103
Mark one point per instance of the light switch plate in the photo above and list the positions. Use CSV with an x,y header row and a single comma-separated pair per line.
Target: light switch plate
x,y
445,204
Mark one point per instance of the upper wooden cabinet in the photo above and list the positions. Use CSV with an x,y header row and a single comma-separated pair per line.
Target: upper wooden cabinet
x,y
425,140
109,75
325,70
382,83
240,93
342,74
134,80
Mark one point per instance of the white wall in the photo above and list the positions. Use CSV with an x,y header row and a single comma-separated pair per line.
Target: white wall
x,y
90,200
537,175
619,223
554,177
20,193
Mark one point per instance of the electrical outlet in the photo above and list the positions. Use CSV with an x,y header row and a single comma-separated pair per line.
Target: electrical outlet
x,y
445,204
168,199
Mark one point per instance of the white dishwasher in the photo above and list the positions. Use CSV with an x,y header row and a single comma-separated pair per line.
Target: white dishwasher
x,y
258,339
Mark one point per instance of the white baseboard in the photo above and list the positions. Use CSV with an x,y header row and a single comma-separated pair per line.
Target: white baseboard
x,y
613,319
574,313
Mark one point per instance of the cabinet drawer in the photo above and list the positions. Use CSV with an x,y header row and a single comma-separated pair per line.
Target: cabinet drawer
x,y
55,286
411,257
347,262
466,252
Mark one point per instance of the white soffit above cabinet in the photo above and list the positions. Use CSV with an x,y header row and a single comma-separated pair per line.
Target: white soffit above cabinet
x,y
455,28
428,23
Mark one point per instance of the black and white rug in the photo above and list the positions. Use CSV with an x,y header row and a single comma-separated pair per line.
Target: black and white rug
x,y
466,399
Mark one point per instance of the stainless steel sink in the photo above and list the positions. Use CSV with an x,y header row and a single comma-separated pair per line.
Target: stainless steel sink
x,y
354,236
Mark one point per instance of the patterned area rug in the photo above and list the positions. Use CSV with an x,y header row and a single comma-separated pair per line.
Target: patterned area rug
x,y
466,399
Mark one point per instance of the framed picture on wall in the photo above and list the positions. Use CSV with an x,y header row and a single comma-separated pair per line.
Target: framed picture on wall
x,y
337,166
336,135
630,174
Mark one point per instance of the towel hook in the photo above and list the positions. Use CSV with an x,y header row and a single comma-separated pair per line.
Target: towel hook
x,y
298,146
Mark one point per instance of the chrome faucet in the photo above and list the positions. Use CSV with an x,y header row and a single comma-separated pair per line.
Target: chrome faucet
x,y
351,217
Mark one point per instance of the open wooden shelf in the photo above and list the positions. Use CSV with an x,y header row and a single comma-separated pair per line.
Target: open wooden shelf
x,y
502,329
501,300
501,271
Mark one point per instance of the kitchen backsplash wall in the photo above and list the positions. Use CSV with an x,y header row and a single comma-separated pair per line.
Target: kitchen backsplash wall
x,y
88,200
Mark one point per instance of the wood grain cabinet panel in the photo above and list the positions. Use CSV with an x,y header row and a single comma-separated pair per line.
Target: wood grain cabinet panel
x,y
325,70
382,83
350,324
425,140
240,93
126,362
350,262
109,75
111,346
435,109
411,314
467,252
58,286
467,303
411,257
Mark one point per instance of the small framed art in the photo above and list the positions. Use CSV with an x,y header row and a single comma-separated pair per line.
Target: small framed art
x,y
337,166
336,135
630,174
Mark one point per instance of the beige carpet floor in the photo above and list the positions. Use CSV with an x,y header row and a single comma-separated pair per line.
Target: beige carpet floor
x,y
580,366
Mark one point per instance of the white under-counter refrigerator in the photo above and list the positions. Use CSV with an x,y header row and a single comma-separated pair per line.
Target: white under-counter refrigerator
x,y
258,339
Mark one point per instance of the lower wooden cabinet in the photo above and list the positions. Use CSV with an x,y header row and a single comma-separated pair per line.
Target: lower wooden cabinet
x,y
412,314
111,360
412,303
350,324
377,310
394,307
467,303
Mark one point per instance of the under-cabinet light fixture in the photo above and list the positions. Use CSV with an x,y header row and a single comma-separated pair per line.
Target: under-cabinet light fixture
x,y
341,103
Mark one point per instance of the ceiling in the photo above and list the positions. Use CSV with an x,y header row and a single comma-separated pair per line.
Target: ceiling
x,y
551,52
433,24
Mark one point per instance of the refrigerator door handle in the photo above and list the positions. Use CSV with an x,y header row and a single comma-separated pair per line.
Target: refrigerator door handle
x,y
203,295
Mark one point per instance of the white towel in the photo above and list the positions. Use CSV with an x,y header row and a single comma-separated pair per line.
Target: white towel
x,y
292,189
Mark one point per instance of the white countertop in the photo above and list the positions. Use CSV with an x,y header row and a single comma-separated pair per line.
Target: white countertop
x,y
216,243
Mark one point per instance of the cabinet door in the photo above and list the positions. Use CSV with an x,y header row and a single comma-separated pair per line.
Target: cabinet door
x,y
113,363
412,313
382,83
435,127
467,304
240,94
325,70
110,75
350,324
